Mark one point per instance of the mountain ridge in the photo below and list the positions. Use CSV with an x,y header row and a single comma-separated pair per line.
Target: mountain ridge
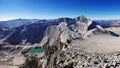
x,y
33,30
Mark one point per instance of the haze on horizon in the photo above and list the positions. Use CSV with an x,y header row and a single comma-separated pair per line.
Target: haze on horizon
x,y
50,9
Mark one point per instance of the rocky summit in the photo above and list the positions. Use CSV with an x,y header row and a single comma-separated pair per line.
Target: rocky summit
x,y
60,43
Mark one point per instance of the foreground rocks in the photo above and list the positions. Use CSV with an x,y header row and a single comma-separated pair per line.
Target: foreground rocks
x,y
82,59
74,59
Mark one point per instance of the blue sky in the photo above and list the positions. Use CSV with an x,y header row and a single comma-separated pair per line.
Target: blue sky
x,y
49,9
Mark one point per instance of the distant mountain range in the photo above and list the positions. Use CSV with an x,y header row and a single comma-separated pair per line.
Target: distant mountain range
x,y
33,30
108,23
17,22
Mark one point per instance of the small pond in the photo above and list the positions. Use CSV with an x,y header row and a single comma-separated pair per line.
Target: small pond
x,y
37,50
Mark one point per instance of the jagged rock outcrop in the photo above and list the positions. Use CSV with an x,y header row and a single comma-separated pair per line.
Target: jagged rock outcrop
x,y
65,31
32,62
58,37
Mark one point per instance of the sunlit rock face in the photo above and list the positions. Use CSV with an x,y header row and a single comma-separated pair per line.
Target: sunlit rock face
x,y
67,29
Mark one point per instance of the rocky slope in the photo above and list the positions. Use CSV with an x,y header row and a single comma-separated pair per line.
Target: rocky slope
x,y
66,46
68,43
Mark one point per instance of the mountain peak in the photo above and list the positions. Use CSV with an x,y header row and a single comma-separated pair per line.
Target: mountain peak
x,y
63,19
81,19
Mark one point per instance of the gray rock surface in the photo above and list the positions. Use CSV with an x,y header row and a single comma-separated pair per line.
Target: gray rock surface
x,y
68,43
79,52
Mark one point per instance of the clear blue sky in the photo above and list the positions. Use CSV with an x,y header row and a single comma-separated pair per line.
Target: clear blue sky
x,y
94,9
